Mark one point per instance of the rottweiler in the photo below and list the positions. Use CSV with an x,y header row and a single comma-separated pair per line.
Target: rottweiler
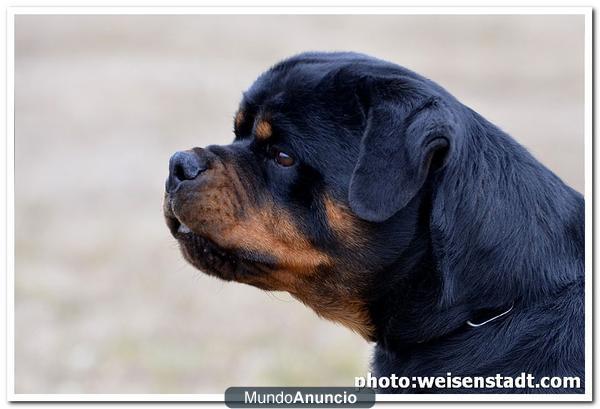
x,y
376,198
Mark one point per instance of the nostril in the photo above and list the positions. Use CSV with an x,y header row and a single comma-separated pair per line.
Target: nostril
x,y
184,166
179,172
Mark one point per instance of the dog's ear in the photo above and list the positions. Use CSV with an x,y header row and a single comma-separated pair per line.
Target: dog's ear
x,y
397,149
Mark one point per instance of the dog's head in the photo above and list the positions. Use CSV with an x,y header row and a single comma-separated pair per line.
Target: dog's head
x,y
320,188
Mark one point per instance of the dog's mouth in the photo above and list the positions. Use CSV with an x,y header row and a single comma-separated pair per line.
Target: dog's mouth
x,y
211,258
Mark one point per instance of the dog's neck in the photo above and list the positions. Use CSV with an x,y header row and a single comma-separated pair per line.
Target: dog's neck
x,y
405,305
496,217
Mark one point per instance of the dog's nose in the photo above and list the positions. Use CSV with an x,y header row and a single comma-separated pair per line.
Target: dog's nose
x,y
183,166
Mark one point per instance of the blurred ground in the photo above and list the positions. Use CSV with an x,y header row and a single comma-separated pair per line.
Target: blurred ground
x,y
104,302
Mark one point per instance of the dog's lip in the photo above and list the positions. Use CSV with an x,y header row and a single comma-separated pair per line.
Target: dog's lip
x,y
172,222
178,229
203,253
185,235
176,226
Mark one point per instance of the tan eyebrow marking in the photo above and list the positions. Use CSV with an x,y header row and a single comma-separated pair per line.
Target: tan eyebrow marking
x,y
263,130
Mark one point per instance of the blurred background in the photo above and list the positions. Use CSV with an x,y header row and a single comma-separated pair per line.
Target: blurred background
x,y
104,301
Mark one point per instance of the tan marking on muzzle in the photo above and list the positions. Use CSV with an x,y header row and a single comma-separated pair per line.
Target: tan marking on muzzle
x,y
272,231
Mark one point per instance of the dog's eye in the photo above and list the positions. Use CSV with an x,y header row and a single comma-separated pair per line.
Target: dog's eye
x,y
281,158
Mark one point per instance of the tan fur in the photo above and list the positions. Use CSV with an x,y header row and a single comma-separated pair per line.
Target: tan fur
x,y
272,231
239,119
344,223
348,309
263,130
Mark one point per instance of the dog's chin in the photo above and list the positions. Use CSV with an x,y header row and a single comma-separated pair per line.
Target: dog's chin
x,y
207,256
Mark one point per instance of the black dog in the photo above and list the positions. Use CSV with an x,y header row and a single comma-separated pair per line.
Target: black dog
x,y
376,198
